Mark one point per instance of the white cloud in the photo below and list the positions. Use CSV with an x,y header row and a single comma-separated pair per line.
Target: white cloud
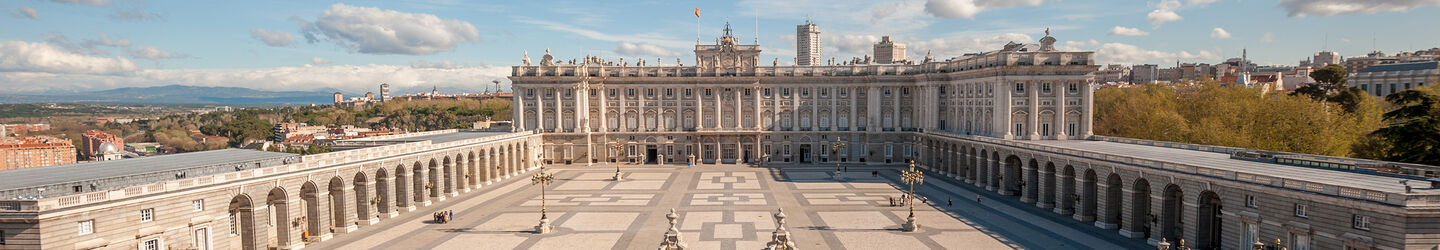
x,y
89,2
968,8
1164,12
1127,31
372,30
136,15
26,12
93,46
273,38
1199,3
652,37
1301,8
319,61
643,49
345,77
850,44
443,64
1268,37
858,16
1219,33
1126,54
21,56
152,53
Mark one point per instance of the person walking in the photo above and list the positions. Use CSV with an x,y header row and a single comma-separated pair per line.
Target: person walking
x,y
977,198
949,203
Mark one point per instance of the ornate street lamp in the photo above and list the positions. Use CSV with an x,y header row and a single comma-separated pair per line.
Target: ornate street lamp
x,y
619,152
912,177
543,179
835,150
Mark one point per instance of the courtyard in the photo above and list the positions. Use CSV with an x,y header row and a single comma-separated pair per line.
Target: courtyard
x,y
729,207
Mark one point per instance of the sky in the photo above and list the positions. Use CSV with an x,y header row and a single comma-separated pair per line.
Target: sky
x,y
86,45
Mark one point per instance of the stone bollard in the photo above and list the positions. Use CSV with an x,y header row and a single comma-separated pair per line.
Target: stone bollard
x,y
672,237
780,239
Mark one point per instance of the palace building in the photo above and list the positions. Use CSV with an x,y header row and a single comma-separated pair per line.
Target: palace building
x,y
727,107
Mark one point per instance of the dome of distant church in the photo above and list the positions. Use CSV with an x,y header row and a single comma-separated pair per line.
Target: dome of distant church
x,y
106,148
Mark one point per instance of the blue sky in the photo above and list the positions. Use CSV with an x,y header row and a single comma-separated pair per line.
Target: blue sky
x,y
77,45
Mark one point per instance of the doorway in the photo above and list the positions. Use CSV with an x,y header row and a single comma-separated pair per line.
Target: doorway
x,y
804,153
651,154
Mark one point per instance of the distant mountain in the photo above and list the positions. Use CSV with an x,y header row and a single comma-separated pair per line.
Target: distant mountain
x,y
181,94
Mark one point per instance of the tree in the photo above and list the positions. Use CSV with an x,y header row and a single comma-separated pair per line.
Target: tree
x,y
1330,86
1414,130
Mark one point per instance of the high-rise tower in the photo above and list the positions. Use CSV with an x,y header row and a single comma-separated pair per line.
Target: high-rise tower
x,y
887,51
384,92
807,44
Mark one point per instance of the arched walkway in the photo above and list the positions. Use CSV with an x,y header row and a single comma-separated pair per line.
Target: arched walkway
x,y
1140,217
1171,210
1089,196
1113,191
338,219
1011,179
279,207
242,214
310,200
1208,221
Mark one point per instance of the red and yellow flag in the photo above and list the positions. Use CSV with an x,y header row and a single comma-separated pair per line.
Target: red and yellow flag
x,y
697,12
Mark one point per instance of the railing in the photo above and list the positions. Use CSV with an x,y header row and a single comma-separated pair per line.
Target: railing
x,y
971,62
331,159
1398,199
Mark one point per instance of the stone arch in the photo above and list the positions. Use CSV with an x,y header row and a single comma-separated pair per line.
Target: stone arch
x,y
473,166
1172,208
1113,190
1065,198
383,196
1046,198
1030,186
1011,178
278,202
242,216
447,174
310,199
1140,217
417,183
1089,196
995,175
336,202
1208,221
404,188
433,185
363,197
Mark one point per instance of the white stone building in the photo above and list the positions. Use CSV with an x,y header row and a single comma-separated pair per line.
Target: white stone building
x,y
729,108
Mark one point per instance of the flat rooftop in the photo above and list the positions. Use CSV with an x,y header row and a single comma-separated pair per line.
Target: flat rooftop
x,y
434,138
90,171
1222,161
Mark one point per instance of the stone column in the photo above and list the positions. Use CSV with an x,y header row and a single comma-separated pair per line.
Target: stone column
x,y
1033,125
1087,107
1027,173
605,109
757,119
540,109
853,116
1002,111
700,109
1060,124
834,104
895,109
519,110
1131,228
872,110
719,118
559,110
323,215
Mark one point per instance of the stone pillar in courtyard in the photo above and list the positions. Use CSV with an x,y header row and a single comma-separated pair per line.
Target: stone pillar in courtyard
x,y
672,237
780,239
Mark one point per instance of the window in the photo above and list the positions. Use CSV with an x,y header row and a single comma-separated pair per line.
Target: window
x,y
767,92
147,215
905,91
1019,128
529,92
1302,210
1045,87
749,92
630,92
1362,222
887,92
1019,87
592,92
707,92
824,92
1074,87
649,92
77,188
85,227
2,237
805,92
549,92
669,92
1252,233
1250,202
1299,241
197,205
569,92
889,150
689,92
234,228
151,244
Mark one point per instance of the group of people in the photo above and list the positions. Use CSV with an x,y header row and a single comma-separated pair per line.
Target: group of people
x,y
443,217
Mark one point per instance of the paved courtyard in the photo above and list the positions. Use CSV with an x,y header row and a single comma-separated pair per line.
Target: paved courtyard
x,y
728,207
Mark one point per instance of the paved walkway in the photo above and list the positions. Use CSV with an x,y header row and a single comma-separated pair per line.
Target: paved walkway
x,y
729,207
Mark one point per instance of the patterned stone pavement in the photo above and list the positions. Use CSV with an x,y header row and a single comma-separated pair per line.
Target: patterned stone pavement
x,y
726,207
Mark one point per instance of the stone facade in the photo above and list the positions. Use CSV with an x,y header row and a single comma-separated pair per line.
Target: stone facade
x,y
282,207
728,110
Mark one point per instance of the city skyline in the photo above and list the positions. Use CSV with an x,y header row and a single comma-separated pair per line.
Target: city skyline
x,y
100,44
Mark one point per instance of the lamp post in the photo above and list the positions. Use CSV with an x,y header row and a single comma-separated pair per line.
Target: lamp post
x,y
543,179
619,152
835,152
912,177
